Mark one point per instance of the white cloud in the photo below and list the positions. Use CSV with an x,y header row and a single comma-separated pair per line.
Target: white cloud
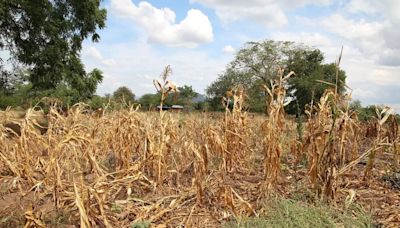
x,y
390,57
363,34
366,58
109,62
367,29
356,6
137,71
309,38
372,83
228,49
388,12
389,8
375,31
385,76
92,52
362,94
160,24
270,13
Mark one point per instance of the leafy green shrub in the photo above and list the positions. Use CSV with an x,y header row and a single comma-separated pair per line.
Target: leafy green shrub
x,y
97,102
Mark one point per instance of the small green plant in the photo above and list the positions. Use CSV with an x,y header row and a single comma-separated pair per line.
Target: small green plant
x,y
116,208
141,224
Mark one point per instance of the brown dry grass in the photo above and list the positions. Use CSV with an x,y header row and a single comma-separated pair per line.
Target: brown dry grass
x,y
127,167
105,170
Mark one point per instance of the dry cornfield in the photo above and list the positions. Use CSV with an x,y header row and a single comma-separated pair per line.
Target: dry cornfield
x,y
129,167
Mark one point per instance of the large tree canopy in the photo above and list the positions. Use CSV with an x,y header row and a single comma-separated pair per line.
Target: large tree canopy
x,y
46,37
258,62
263,59
186,94
312,78
124,95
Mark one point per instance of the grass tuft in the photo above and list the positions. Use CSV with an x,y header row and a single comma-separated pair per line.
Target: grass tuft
x,y
290,213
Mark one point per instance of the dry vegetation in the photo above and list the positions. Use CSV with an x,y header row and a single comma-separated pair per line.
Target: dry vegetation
x,y
129,168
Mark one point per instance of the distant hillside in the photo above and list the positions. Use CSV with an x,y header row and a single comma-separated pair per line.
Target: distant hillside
x,y
199,98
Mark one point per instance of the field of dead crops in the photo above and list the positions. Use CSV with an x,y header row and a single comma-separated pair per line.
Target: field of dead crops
x,y
130,168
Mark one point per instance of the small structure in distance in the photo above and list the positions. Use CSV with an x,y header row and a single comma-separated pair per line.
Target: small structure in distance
x,y
164,107
175,108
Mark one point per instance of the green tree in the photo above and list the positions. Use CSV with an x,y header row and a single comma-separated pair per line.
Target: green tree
x,y
23,95
255,64
258,62
46,37
10,80
231,78
184,97
97,102
124,95
202,106
186,93
366,113
312,78
149,100
262,60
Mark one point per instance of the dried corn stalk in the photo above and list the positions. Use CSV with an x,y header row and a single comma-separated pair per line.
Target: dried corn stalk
x,y
235,129
273,128
165,87
381,117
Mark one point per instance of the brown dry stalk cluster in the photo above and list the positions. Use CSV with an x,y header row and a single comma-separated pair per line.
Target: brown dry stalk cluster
x,y
274,128
235,130
331,141
125,167
146,165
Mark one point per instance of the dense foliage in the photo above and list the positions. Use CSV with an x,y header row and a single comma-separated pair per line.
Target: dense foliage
x,y
124,95
45,39
185,96
258,62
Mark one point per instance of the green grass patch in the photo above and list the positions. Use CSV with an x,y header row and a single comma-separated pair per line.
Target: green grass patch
x,y
289,213
141,224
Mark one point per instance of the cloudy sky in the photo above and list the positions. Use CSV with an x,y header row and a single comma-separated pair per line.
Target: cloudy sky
x,y
199,37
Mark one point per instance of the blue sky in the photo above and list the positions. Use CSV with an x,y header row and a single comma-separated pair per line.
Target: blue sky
x,y
198,38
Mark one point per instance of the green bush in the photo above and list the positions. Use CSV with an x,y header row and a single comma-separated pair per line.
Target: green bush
x,y
97,102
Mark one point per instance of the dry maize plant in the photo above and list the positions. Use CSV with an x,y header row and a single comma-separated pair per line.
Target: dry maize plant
x,y
273,128
381,140
164,88
332,142
126,168
235,129
331,139
321,146
81,165
349,137
393,137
